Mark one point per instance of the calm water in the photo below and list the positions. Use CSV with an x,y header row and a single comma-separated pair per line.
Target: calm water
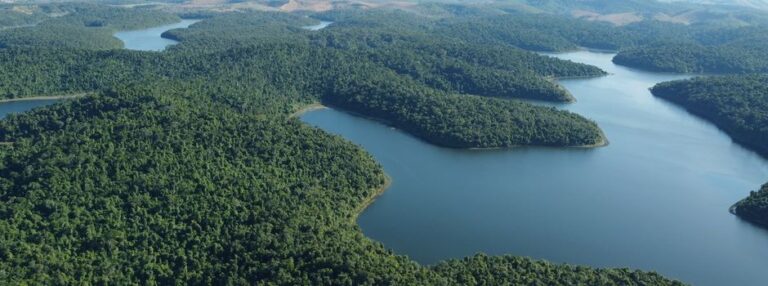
x,y
656,198
318,27
150,39
7,108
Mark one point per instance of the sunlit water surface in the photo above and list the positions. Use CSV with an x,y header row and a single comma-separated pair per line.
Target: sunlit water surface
x,y
150,39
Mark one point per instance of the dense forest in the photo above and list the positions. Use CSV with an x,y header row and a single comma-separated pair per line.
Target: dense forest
x,y
321,66
184,167
739,106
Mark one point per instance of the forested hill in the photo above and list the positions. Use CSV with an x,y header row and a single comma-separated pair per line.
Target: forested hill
x,y
320,66
185,167
739,106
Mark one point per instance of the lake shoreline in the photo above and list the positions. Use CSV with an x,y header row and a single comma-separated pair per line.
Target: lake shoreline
x,y
307,108
372,198
47,97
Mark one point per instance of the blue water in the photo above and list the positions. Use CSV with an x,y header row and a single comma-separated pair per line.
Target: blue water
x,y
7,108
656,198
150,39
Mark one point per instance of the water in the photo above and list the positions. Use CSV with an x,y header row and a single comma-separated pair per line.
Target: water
x,y
150,39
7,108
318,27
656,198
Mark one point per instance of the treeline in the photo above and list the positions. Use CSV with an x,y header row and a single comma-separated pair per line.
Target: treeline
x,y
739,106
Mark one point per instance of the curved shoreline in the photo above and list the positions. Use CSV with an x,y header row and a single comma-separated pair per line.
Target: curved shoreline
x,y
316,106
307,108
372,198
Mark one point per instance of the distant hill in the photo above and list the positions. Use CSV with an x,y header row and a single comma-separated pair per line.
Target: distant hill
x,y
759,4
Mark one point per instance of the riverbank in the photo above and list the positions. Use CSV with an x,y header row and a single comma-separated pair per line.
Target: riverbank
x,y
307,108
372,198
50,97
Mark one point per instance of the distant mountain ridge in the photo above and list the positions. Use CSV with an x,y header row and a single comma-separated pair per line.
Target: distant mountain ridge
x,y
758,4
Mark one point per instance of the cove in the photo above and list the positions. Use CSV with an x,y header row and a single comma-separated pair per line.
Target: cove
x,y
655,199
150,39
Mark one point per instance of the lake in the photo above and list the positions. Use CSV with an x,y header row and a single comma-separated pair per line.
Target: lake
x,y
656,198
150,39
7,108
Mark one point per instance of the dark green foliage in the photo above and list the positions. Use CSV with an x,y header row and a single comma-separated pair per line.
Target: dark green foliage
x,y
745,54
224,31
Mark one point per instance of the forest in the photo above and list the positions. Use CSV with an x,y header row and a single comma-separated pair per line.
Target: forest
x,y
184,167
739,106
740,52
322,66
